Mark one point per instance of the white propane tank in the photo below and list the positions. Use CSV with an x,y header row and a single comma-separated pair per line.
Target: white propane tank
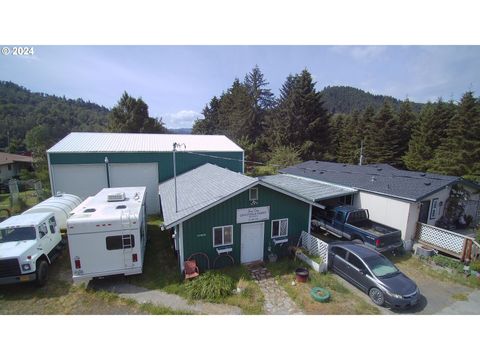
x,y
61,205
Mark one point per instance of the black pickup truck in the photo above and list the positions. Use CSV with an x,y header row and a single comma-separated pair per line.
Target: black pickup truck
x,y
354,224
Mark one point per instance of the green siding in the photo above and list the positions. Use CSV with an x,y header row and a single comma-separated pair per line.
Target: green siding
x,y
185,161
281,206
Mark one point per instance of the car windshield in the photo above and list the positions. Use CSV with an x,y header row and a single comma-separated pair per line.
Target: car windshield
x,y
381,266
17,234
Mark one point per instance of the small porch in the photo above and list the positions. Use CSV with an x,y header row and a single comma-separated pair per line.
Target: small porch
x,y
456,244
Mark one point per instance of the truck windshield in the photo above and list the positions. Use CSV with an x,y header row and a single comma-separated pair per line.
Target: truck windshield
x,y
17,234
381,266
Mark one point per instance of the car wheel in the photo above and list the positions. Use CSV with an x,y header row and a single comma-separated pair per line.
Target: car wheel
x,y
357,241
42,273
377,296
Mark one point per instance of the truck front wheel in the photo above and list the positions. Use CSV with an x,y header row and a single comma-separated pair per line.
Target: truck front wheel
x,y
42,273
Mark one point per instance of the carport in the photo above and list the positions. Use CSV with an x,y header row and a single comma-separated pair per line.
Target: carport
x,y
319,194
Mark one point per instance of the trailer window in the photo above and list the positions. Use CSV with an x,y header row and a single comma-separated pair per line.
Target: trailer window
x,y
119,242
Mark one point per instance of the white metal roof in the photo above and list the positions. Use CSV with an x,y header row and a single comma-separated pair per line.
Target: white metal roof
x,y
81,142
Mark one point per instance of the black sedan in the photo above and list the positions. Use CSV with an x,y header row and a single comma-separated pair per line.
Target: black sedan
x,y
374,274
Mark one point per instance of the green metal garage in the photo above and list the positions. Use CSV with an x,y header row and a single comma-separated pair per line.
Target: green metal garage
x,y
84,163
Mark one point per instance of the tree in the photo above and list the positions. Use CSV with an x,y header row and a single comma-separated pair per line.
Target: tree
x,y
378,139
284,156
427,134
302,119
261,101
459,152
38,140
130,115
406,118
209,124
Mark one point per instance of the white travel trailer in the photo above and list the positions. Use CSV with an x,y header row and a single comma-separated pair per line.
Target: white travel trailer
x,y
107,234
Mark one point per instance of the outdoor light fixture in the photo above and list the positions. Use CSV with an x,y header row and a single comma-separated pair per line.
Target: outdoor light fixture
x,y
108,173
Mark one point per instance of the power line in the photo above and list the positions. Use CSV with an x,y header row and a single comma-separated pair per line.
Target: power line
x,y
225,158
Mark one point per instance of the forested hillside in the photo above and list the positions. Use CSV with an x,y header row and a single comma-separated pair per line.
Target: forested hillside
x,y
23,111
346,99
441,137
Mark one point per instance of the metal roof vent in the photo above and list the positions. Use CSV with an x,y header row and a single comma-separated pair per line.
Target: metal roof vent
x,y
423,174
121,207
120,196
373,179
90,210
428,183
379,169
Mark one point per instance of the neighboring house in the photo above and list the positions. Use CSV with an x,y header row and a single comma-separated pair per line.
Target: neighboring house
x,y
84,163
227,217
12,164
397,198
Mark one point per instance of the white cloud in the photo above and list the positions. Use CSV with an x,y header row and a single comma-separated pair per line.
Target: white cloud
x,y
360,53
181,119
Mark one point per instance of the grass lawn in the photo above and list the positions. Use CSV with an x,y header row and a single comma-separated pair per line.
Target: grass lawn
x,y
29,198
60,296
438,267
161,272
342,300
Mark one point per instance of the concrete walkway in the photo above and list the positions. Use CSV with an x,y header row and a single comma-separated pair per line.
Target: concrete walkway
x,y
468,307
277,301
172,301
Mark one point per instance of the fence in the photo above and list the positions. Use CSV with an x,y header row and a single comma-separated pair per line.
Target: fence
x,y
314,246
449,242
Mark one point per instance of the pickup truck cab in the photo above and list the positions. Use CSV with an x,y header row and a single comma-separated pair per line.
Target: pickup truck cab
x,y
354,224
29,243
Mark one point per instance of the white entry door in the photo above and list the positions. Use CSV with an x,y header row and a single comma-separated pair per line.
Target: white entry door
x,y
252,242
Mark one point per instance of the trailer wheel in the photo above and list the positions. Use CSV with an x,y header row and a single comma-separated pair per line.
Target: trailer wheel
x,y
42,272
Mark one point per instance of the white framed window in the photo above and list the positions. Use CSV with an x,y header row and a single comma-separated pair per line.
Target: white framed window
x,y
253,194
434,209
279,228
222,235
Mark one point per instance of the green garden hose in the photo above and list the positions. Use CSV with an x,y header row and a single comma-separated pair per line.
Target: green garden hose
x,y
320,294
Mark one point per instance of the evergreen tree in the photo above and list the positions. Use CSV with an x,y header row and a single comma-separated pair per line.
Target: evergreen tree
x,y
209,124
427,134
261,101
406,119
278,127
351,139
306,119
379,141
459,152
130,115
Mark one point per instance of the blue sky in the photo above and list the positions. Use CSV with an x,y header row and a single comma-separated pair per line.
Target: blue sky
x,y
177,81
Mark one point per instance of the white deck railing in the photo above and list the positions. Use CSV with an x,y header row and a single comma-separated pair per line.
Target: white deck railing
x,y
314,246
452,243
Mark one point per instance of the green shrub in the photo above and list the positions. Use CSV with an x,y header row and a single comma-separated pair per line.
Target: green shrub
x,y
211,286
475,265
447,262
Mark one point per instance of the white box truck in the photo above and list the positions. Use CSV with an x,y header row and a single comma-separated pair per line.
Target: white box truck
x,y
107,234
30,242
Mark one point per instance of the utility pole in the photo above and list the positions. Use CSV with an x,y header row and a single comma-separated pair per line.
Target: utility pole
x,y
360,162
175,146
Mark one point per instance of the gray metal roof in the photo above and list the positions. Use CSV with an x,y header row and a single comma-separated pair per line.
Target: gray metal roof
x,y
308,189
378,178
81,142
199,189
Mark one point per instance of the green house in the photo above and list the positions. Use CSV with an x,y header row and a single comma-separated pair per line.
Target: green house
x,y
222,217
